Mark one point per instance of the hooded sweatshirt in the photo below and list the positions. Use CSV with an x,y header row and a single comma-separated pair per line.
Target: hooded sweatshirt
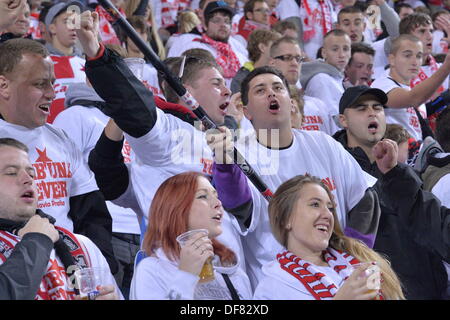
x,y
323,81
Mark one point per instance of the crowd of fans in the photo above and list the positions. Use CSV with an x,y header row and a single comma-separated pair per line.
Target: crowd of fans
x,y
338,106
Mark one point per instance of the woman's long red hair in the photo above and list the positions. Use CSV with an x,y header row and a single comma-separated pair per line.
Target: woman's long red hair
x,y
169,217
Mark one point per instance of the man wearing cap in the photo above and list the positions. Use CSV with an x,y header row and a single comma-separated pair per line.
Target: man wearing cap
x,y
229,53
418,266
68,64
60,22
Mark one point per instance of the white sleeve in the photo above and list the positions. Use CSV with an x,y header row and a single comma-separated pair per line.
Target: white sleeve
x,y
81,127
83,179
442,191
98,261
148,282
156,10
155,148
272,289
318,88
288,8
384,84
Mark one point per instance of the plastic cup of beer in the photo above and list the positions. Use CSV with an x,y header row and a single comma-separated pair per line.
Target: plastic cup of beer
x,y
207,273
89,281
136,65
373,275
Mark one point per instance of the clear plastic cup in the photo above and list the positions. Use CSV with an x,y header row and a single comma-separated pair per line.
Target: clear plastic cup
x,y
136,65
373,275
88,282
207,272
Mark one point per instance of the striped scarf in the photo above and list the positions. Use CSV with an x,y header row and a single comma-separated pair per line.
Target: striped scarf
x,y
170,9
311,20
226,58
57,282
317,283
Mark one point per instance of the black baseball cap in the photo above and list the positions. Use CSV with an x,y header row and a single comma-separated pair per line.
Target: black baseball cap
x,y
217,6
352,94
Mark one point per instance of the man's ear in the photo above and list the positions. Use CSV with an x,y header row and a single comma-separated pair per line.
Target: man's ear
x,y
343,121
323,54
4,87
51,29
247,113
391,60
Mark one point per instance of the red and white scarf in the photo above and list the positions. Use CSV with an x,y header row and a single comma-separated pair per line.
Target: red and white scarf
x,y
310,21
317,283
107,32
55,284
170,9
226,58
422,76
246,27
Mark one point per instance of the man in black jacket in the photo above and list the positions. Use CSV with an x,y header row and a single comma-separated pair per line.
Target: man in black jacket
x,y
415,239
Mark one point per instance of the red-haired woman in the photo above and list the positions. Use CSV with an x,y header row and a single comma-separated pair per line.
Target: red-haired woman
x,y
186,202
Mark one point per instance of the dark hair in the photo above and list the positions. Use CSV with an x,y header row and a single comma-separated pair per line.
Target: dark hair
x,y
282,25
250,5
256,72
435,15
10,142
12,51
398,6
192,71
443,129
44,10
349,9
211,15
411,22
361,47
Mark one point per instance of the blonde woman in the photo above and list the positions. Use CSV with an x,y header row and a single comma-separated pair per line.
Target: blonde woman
x,y
318,261
131,8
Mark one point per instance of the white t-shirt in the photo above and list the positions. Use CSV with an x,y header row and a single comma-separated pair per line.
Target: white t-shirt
x,y
150,80
311,152
328,89
61,171
406,116
85,126
158,278
316,116
68,69
380,60
287,286
439,45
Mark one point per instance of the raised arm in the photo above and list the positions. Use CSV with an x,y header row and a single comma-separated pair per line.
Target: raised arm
x,y
399,97
128,101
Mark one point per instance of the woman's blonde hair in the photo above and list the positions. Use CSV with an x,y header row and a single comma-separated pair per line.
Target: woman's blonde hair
x,y
129,8
188,20
281,208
